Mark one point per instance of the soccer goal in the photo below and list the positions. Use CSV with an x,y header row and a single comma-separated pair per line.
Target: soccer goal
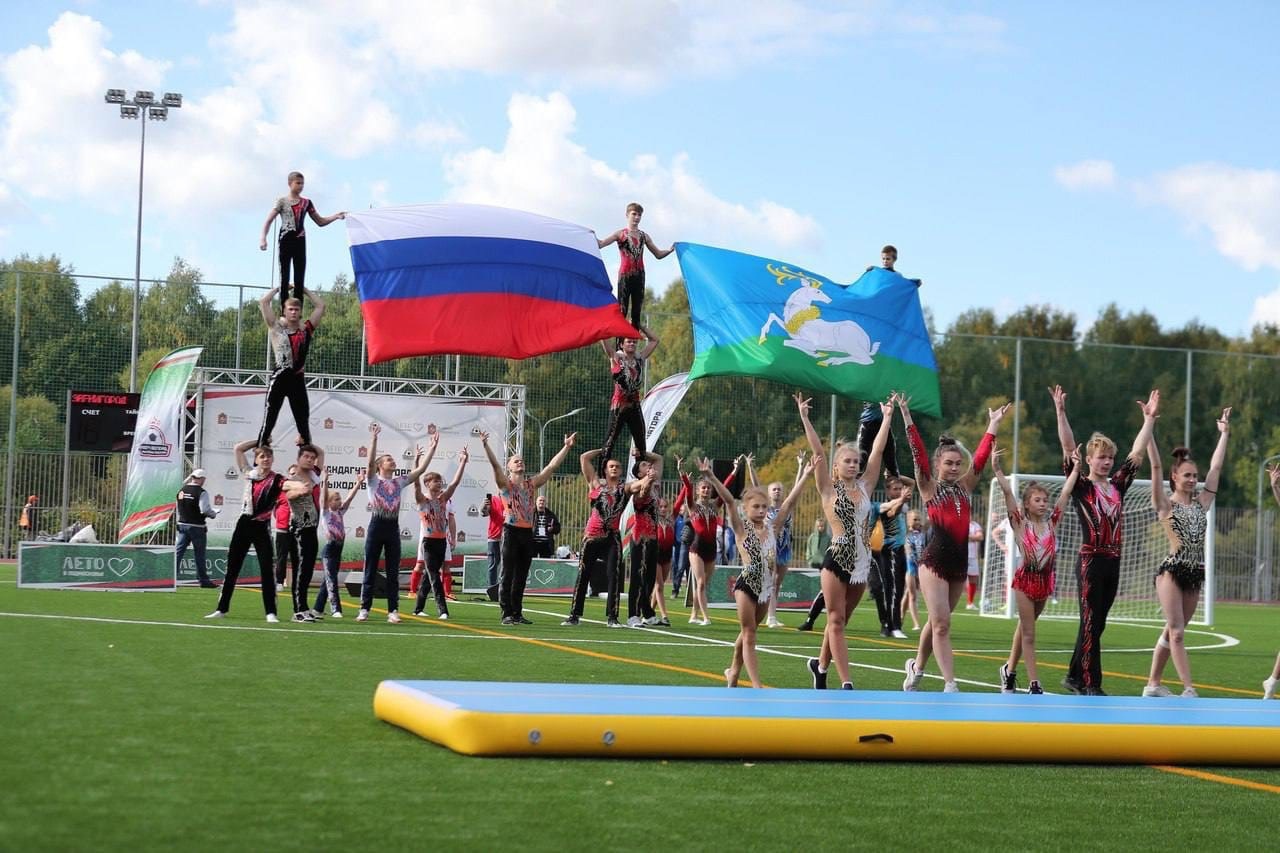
x,y
1145,545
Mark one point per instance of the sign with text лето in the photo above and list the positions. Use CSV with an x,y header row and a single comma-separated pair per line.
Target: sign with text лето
x,y
66,565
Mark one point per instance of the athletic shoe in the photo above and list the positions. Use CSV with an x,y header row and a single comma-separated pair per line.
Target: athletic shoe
x,y
848,685
451,598
302,617
899,634
393,617
1269,688
1190,693
316,615
951,687
363,615
819,677
271,618
634,622
706,620
1035,689
508,620
773,622
523,621
1094,691
571,622
693,620
613,623
1156,691
1008,679
218,614
417,613
912,682
806,625
664,622
886,633
1072,686
971,606
443,617
335,614
208,585
652,622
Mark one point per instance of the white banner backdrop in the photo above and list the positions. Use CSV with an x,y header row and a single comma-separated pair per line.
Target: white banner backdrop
x,y
340,425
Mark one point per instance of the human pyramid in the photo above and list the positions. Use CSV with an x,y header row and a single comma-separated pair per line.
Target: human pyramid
x,y
935,554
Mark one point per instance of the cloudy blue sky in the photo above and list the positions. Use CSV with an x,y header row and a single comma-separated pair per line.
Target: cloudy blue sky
x,y
1063,153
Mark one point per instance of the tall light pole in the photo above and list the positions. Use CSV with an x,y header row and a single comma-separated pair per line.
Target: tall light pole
x,y
141,106
542,432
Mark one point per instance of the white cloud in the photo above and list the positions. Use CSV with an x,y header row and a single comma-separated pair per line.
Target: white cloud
x,y
1239,207
1086,175
542,168
436,133
1266,310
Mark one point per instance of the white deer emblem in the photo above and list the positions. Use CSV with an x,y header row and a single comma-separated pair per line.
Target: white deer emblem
x,y
805,330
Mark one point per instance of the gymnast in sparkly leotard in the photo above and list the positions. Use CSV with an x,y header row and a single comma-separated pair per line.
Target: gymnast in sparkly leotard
x,y
847,505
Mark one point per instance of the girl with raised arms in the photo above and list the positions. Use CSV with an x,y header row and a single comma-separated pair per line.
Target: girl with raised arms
x,y
1034,529
433,510
944,563
846,501
704,516
757,541
1180,577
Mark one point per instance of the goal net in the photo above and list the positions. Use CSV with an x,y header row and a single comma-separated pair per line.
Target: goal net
x,y
1145,545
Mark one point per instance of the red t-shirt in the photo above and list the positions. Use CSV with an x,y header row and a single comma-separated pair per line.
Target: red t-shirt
x,y
497,515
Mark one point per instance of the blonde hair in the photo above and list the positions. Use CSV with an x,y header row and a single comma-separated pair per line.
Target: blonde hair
x,y
1030,489
292,301
753,492
1098,442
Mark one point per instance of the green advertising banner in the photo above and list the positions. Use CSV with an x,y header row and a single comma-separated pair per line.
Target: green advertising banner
x,y
65,565
155,461
215,561
557,577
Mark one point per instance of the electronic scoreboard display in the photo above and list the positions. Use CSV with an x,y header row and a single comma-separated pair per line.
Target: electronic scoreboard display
x,y
102,421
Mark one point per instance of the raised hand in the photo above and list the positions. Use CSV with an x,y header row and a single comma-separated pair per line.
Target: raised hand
x,y
484,438
904,403
807,470
886,408
800,457
1224,422
995,460
1075,457
1059,397
464,455
375,428
431,430
1151,408
997,415
704,465
360,476
570,439
751,458
803,403
417,451
679,463
1274,472
435,439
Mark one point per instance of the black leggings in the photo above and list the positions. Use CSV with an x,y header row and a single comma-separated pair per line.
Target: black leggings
x,y
256,534
634,420
631,295
609,550
309,544
433,550
286,556
517,557
644,571
293,249
1099,581
292,385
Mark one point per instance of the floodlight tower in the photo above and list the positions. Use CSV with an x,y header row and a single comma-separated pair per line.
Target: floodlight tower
x,y
142,106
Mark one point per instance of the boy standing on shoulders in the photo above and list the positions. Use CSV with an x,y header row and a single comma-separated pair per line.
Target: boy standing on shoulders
x,y
889,257
631,244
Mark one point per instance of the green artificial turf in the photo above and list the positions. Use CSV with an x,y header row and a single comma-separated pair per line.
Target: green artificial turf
x,y
146,734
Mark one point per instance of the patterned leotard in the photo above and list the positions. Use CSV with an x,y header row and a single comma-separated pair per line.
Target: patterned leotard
x,y
756,576
1186,528
1036,575
849,554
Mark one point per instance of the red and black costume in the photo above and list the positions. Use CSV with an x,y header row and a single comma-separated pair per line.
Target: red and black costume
x,y
704,518
624,407
1101,513
260,496
631,273
644,554
600,541
947,552
289,347
293,244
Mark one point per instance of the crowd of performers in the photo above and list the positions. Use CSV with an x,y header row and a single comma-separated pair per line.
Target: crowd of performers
x,y
926,553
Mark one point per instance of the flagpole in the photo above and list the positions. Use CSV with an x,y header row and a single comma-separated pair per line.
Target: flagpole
x,y
831,453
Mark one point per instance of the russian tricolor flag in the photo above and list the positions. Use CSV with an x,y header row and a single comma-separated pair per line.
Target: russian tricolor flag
x,y
477,280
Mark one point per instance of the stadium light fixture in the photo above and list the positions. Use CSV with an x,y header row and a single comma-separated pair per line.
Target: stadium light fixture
x,y
142,106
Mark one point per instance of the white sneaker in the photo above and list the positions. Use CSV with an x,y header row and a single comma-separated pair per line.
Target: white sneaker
x,y
393,617
899,634
693,620
912,681
315,614
335,614
1190,693
971,607
706,620
363,615
271,617
1157,691
950,687
1269,688
634,622
302,617
218,614
773,622
443,617
652,622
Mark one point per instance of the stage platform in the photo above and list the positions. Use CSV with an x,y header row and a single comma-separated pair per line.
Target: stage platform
x,y
616,720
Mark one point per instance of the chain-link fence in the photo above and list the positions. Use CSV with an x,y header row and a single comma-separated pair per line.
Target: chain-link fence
x,y
74,331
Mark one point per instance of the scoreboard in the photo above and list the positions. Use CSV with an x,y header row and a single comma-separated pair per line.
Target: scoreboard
x,y
102,421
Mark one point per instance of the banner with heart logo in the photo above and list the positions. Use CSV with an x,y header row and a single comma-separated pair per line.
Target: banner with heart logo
x,y
67,565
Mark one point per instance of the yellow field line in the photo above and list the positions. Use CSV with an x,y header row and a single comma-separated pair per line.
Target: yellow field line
x,y
1215,777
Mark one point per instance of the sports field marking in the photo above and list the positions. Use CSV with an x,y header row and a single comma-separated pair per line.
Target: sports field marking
x,y
1216,777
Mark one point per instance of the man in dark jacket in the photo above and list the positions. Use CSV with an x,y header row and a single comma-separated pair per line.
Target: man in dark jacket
x,y
546,527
